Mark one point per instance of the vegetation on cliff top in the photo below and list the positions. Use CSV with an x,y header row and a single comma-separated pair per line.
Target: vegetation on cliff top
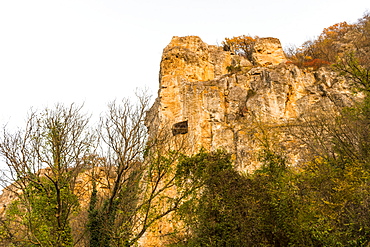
x,y
341,44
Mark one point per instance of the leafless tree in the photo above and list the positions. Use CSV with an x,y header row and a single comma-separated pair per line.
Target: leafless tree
x,y
334,134
140,176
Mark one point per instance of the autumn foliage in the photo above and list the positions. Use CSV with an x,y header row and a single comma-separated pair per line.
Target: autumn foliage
x,y
324,50
240,45
334,44
311,63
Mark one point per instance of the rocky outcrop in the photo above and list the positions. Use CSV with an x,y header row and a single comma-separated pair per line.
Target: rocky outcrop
x,y
200,98
7,196
268,51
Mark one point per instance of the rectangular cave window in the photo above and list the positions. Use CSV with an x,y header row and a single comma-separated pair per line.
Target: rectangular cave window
x,y
180,128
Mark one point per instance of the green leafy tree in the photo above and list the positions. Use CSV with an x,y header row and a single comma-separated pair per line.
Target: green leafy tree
x,y
212,212
358,73
44,160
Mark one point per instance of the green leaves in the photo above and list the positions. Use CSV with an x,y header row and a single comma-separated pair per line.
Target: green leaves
x,y
351,67
36,212
203,166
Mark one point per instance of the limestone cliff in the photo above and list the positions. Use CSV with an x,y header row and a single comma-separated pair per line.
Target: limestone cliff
x,y
200,97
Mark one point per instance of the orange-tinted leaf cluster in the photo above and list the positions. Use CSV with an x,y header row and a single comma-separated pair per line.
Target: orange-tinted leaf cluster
x,y
327,47
335,32
316,63
312,63
240,45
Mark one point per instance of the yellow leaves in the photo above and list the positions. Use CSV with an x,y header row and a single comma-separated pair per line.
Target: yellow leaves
x,y
331,203
336,31
240,45
233,157
326,47
240,40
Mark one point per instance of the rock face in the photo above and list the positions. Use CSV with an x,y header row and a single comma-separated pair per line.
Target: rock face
x,y
7,196
200,98
268,51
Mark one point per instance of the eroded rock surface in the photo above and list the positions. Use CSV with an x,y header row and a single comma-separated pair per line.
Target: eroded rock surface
x,y
196,88
268,51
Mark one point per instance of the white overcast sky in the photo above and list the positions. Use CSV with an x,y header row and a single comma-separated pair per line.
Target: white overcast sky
x,y
95,51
